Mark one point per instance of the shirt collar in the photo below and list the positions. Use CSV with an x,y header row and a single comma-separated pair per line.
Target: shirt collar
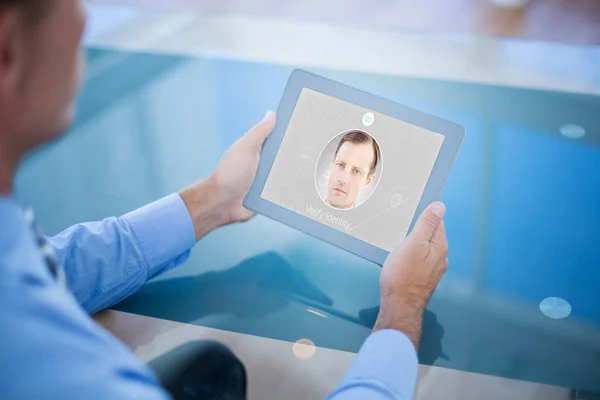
x,y
9,206
12,220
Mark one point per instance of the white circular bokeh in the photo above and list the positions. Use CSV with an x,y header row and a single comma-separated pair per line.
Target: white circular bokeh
x,y
555,308
304,349
572,131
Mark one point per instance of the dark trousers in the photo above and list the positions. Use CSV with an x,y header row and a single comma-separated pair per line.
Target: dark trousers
x,y
202,370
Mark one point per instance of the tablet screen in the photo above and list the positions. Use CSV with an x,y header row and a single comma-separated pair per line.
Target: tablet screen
x,y
353,169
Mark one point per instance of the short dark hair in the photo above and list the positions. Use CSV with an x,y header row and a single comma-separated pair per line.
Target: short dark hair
x,y
359,137
24,3
35,8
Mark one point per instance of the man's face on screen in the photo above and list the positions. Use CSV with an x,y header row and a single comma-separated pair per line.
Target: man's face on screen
x,y
350,174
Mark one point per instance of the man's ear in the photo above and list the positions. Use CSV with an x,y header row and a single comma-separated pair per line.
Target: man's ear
x,y
12,48
370,179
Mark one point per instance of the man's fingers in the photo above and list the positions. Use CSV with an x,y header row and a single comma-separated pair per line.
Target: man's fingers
x,y
259,133
428,222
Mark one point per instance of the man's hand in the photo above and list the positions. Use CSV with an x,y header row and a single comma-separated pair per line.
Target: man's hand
x,y
217,201
411,273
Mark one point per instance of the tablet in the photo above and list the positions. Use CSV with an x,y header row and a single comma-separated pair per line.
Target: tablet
x,y
351,168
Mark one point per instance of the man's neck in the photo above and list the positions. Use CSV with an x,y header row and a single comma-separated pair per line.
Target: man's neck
x,y
8,167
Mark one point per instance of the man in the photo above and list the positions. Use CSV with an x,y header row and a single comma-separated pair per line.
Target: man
x,y
353,170
50,347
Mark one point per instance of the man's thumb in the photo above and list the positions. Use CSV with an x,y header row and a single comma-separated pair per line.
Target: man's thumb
x,y
260,132
429,221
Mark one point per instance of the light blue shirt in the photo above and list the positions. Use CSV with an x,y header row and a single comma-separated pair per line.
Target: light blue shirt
x,y
50,348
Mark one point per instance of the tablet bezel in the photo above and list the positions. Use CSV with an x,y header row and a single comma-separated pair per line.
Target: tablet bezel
x,y
299,79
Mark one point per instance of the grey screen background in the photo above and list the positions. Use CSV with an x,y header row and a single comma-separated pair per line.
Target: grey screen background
x,y
323,171
408,156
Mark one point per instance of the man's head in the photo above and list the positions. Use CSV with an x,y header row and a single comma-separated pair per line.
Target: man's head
x,y
40,67
354,165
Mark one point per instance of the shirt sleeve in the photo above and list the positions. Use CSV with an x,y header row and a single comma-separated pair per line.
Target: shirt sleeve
x,y
107,261
386,368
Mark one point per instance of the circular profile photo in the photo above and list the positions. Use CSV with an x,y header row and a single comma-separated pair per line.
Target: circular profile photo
x,y
348,169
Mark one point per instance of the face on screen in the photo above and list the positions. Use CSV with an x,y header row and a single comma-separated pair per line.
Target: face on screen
x,y
350,174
